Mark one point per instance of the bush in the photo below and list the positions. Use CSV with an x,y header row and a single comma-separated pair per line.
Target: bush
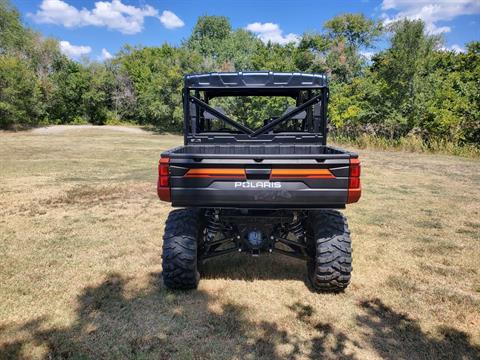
x,y
20,104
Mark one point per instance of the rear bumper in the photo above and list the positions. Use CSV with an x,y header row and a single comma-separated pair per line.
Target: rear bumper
x,y
250,182
260,194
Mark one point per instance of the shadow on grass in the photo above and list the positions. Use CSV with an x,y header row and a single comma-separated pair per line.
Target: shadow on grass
x,y
115,322
394,335
245,267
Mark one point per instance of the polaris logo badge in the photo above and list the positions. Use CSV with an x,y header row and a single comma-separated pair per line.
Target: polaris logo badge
x,y
258,185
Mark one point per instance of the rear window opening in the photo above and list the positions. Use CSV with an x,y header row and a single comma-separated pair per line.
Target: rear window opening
x,y
252,111
257,107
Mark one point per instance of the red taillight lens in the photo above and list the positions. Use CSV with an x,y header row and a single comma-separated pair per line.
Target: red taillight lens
x,y
163,181
163,167
163,185
353,183
355,168
354,186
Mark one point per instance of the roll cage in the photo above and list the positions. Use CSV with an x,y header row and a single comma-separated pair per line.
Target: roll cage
x,y
309,90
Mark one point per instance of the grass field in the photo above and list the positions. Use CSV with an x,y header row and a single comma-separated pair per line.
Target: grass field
x,y
80,269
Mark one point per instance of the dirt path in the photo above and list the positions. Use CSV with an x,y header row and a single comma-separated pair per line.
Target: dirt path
x,y
57,129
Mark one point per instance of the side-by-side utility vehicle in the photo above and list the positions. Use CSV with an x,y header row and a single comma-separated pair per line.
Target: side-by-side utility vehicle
x,y
255,175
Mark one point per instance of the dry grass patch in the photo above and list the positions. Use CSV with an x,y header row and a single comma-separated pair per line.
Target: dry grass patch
x,y
80,243
88,195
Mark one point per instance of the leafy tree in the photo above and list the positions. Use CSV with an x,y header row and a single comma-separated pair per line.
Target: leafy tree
x,y
14,37
238,50
413,86
311,53
343,63
157,75
470,124
275,57
70,82
222,48
208,35
402,68
95,98
347,35
20,104
451,88
355,29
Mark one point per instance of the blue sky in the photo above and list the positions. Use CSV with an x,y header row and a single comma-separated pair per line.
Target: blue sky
x,y
100,28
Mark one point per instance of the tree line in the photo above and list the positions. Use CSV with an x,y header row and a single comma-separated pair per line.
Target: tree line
x,y
414,87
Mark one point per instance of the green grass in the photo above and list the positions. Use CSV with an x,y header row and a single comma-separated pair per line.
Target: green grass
x,y
80,269
410,144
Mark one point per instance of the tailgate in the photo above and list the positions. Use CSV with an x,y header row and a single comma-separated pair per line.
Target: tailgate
x,y
268,183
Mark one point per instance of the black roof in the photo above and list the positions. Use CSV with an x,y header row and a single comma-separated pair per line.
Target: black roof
x,y
255,80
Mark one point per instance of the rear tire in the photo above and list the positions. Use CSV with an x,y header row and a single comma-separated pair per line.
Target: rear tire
x,y
331,250
182,235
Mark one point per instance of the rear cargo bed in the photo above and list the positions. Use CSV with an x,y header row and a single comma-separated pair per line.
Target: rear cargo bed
x,y
265,151
259,176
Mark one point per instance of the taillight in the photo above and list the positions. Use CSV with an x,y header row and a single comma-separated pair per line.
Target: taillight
x,y
216,173
278,174
354,186
163,185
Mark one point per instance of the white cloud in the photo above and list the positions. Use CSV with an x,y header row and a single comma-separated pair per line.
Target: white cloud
x,y
367,54
74,51
105,55
272,32
113,15
431,12
170,20
455,47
